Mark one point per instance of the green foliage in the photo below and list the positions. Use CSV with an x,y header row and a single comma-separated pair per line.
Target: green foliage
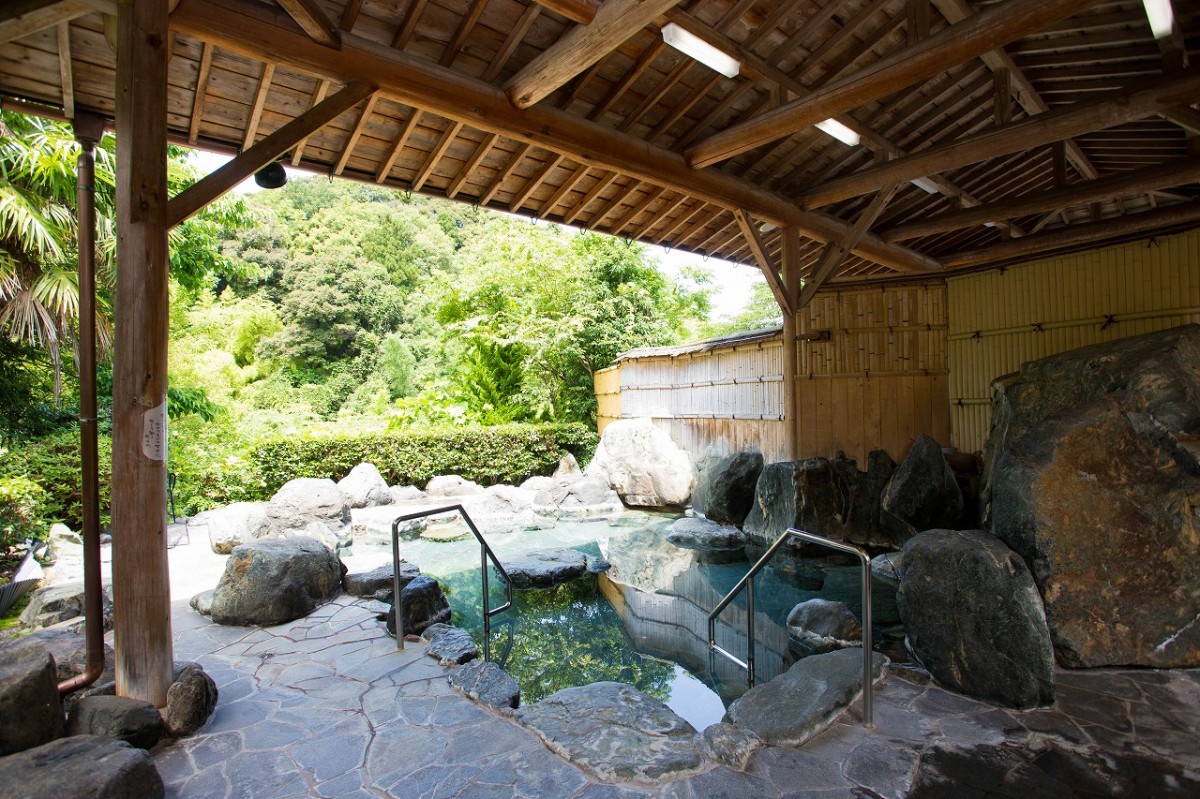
x,y
761,310
490,380
52,463
487,455
395,366
21,515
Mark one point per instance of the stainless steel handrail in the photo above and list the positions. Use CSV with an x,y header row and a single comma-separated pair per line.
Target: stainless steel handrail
x,y
485,554
748,582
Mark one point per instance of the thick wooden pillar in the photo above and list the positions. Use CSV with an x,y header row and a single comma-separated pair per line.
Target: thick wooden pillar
x,y
790,267
141,584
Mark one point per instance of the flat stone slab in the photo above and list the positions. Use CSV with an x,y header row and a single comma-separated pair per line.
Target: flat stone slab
x,y
450,645
547,568
716,543
805,699
381,578
487,683
616,732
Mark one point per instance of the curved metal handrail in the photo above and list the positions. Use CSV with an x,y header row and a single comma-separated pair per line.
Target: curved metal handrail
x,y
485,554
748,582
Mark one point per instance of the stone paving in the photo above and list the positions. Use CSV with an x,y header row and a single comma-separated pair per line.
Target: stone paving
x,y
327,707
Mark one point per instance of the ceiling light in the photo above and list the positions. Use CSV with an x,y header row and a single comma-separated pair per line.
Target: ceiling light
x,y
767,227
1161,17
702,51
839,131
925,184
271,176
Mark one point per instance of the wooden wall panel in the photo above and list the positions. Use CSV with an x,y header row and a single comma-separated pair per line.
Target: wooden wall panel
x,y
608,396
1001,319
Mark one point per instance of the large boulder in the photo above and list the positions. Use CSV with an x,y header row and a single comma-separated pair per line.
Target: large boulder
x,y
423,605
713,542
643,464
923,493
973,617
452,485
61,602
303,502
861,495
120,718
1103,502
583,498
231,525
817,626
799,494
547,568
30,711
269,582
81,767
725,487
191,699
365,487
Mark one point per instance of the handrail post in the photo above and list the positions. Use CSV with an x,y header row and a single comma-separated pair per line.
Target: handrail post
x,y
750,632
396,604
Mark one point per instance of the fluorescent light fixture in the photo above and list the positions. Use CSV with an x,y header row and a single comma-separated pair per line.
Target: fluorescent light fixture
x,y
839,131
925,184
702,51
767,227
990,224
1161,17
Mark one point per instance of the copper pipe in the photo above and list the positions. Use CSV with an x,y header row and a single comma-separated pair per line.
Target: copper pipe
x,y
88,131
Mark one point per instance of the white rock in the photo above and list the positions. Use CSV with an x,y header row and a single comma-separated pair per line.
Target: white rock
x,y
539,483
451,485
365,487
303,501
231,525
406,494
568,468
643,464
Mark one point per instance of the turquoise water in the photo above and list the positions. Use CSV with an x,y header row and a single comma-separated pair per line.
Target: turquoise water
x,y
645,621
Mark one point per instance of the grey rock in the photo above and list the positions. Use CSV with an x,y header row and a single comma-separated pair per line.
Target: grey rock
x,y
423,604
568,468
202,602
487,683
725,487
302,502
616,732
452,485
585,498
406,494
69,650
729,746
643,465
818,625
715,542
923,493
888,567
998,646
371,583
805,699
451,646
81,767
1100,501
269,582
365,487
539,483
800,494
231,525
119,718
545,568
30,711
58,603
861,498
191,699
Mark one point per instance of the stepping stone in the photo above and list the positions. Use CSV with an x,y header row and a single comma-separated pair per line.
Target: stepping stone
x,y
547,568
714,542
805,699
450,645
487,683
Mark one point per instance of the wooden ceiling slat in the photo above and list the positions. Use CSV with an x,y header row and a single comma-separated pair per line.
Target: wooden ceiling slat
x,y
481,152
601,184
260,100
713,243
567,185
447,138
663,213
680,110
318,95
595,221
18,21
505,173
582,12
631,77
465,26
660,91
359,127
701,126
844,32
534,183
623,221
683,219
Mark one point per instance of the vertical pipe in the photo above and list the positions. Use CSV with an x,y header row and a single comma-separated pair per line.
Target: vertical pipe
x,y
88,131
396,605
487,605
750,633
868,643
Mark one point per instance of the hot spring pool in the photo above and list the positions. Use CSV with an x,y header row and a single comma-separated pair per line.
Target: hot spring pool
x,y
644,621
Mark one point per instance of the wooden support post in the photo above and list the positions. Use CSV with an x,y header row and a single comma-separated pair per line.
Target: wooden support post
x,y
141,583
791,283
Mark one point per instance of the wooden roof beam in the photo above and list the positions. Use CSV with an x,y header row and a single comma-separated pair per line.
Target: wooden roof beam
x,y
766,264
836,252
260,102
603,183
356,134
1151,98
318,95
633,213
408,24
206,58
1125,184
448,137
21,18
567,185
536,181
204,191
66,74
1184,117
406,130
514,38
464,174
957,43
313,21
579,11
465,26
505,173
611,205
582,46
258,31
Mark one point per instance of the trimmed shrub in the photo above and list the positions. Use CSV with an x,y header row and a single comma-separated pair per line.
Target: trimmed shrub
x,y
52,462
20,512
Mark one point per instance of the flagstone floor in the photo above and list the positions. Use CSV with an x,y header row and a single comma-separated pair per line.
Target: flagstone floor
x,y
327,707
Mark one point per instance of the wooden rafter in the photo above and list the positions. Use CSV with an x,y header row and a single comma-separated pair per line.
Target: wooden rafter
x,y
350,15
409,24
406,130
660,90
201,91
623,221
318,95
255,30
664,212
1184,117
249,161
505,173
631,77
582,46
712,243
465,26
613,204
1107,189
567,185
21,18
836,252
534,183
680,222
917,20
953,45
766,264
580,11
1043,129
260,101
481,152
514,38
355,134
439,150
313,21
706,219
601,184
65,71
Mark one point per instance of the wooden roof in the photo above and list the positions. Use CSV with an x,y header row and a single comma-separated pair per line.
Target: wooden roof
x,y
1038,125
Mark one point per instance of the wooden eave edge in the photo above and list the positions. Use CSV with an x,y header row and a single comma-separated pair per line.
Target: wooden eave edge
x,y
266,34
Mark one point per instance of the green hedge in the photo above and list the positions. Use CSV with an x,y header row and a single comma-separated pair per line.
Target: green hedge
x,y
52,462
487,455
